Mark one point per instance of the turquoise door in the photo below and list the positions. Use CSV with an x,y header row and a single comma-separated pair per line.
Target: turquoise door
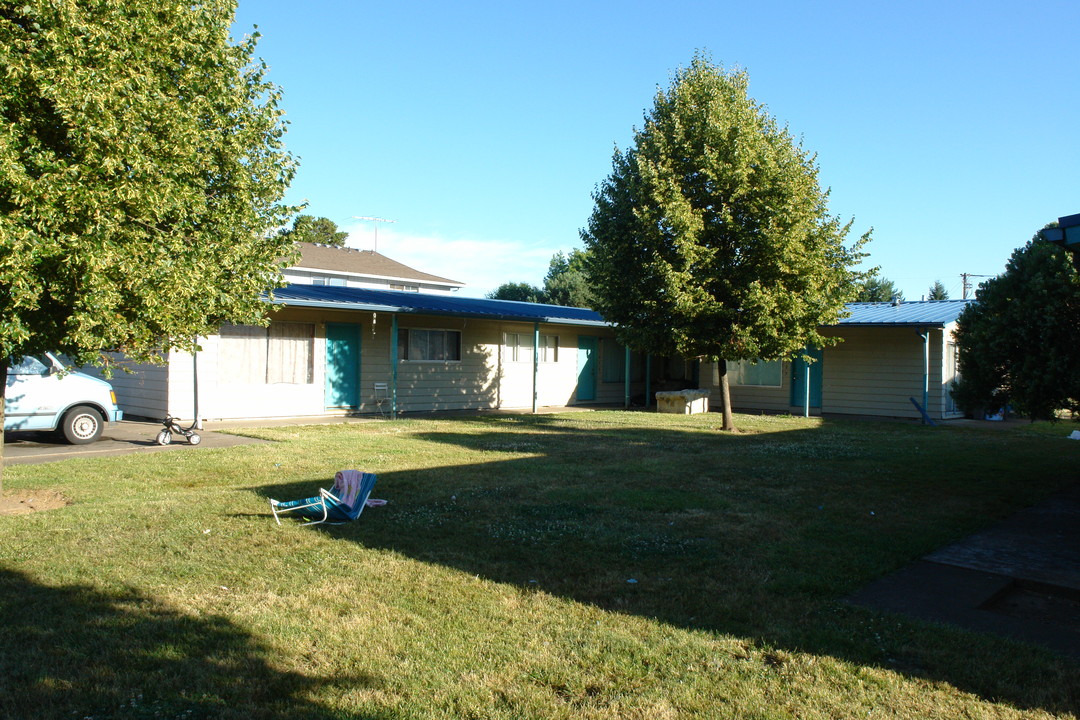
x,y
586,368
798,380
342,365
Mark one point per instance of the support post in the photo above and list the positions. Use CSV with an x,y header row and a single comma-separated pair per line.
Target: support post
x,y
626,378
648,381
393,366
536,366
806,406
925,335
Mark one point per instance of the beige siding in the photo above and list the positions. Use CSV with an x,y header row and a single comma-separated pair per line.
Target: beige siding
x,y
749,397
483,379
876,370
428,386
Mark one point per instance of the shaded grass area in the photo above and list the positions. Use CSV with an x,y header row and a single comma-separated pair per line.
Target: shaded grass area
x,y
588,565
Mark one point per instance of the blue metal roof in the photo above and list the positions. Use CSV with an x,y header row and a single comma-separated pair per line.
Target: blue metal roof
x,y
923,312
394,301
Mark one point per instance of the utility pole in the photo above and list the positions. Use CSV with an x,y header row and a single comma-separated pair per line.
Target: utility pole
x,y
966,284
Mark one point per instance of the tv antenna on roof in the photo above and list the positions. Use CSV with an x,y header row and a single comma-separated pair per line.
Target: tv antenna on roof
x,y
376,221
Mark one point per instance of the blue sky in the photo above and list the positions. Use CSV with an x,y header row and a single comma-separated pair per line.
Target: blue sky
x,y
482,128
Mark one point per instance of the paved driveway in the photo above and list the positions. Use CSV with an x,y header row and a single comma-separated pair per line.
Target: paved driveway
x,y
22,448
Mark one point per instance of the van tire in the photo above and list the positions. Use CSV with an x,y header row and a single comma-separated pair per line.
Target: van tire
x,y
82,425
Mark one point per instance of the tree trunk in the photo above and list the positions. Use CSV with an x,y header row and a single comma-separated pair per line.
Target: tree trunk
x,y
725,396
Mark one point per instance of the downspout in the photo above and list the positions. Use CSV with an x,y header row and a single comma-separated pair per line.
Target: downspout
x,y
925,335
536,365
626,378
393,366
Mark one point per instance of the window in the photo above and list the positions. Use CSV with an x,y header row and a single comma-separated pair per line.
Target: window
x,y
429,345
327,280
613,361
549,348
282,353
28,365
519,347
763,373
404,288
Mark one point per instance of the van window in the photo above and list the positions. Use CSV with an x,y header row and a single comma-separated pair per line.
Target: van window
x,y
28,365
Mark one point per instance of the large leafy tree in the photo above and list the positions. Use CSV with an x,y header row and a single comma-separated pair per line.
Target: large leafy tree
x,y
141,171
308,228
711,237
519,291
1019,342
567,281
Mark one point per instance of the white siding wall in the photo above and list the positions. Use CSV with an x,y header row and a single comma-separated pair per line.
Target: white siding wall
x,y
304,277
556,380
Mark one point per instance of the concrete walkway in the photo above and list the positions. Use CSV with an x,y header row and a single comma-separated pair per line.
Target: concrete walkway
x,y
1019,578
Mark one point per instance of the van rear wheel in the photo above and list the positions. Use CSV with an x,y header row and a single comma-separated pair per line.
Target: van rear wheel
x,y
82,424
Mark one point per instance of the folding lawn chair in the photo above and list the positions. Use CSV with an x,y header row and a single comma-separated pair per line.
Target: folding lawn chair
x,y
341,503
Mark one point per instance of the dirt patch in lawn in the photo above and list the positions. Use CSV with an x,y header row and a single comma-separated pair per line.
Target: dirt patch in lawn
x,y
20,502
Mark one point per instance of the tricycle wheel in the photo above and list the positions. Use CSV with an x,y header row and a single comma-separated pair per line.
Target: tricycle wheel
x,y
163,438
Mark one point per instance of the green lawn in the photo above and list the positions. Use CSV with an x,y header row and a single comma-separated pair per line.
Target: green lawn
x,y
587,565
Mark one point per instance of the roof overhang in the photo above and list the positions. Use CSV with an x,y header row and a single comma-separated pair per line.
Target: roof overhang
x,y
363,300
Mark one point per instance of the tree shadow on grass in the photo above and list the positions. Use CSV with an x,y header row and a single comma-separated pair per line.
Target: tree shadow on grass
x,y
757,536
75,652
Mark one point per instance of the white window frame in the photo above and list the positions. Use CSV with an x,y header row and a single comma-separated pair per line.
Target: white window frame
x,y
518,347
549,348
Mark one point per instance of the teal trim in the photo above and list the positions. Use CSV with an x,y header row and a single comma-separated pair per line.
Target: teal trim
x,y
799,379
342,389
536,365
586,385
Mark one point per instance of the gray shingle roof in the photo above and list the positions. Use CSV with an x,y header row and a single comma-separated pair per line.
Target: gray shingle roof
x,y
361,262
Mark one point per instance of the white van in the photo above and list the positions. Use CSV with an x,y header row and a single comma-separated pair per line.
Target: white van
x,y
43,394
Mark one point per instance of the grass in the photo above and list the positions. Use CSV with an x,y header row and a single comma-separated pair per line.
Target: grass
x,y
588,565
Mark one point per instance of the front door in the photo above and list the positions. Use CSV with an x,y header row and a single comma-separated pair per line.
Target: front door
x,y
342,365
586,363
798,379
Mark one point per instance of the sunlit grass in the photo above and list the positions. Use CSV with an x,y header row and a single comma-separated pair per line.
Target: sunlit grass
x,y
588,565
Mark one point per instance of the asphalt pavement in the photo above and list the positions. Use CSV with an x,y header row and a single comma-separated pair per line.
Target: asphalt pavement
x,y
23,448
